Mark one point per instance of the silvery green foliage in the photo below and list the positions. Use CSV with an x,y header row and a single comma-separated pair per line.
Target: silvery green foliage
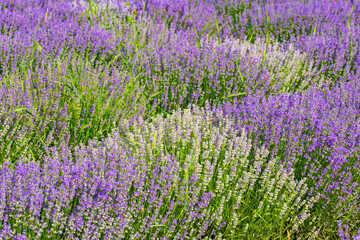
x,y
289,67
207,148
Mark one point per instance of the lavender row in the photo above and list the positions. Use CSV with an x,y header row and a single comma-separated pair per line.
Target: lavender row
x,y
174,178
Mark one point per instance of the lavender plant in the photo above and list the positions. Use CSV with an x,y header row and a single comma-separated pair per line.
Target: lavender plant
x,y
182,176
315,134
294,70
65,102
325,30
221,119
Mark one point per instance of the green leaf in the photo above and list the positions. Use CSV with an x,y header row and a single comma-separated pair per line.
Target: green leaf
x,y
314,29
16,110
238,94
218,31
47,10
3,6
32,154
83,127
152,146
161,225
132,141
155,94
38,46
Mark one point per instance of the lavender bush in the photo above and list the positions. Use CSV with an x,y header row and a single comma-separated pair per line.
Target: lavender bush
x,y
317,136
208,119
180,170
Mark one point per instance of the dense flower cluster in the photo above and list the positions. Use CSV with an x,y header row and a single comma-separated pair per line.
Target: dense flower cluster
x,y
317,133
183,168
208,119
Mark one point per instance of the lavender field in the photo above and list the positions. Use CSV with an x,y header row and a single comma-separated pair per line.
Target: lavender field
x,y
180,119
